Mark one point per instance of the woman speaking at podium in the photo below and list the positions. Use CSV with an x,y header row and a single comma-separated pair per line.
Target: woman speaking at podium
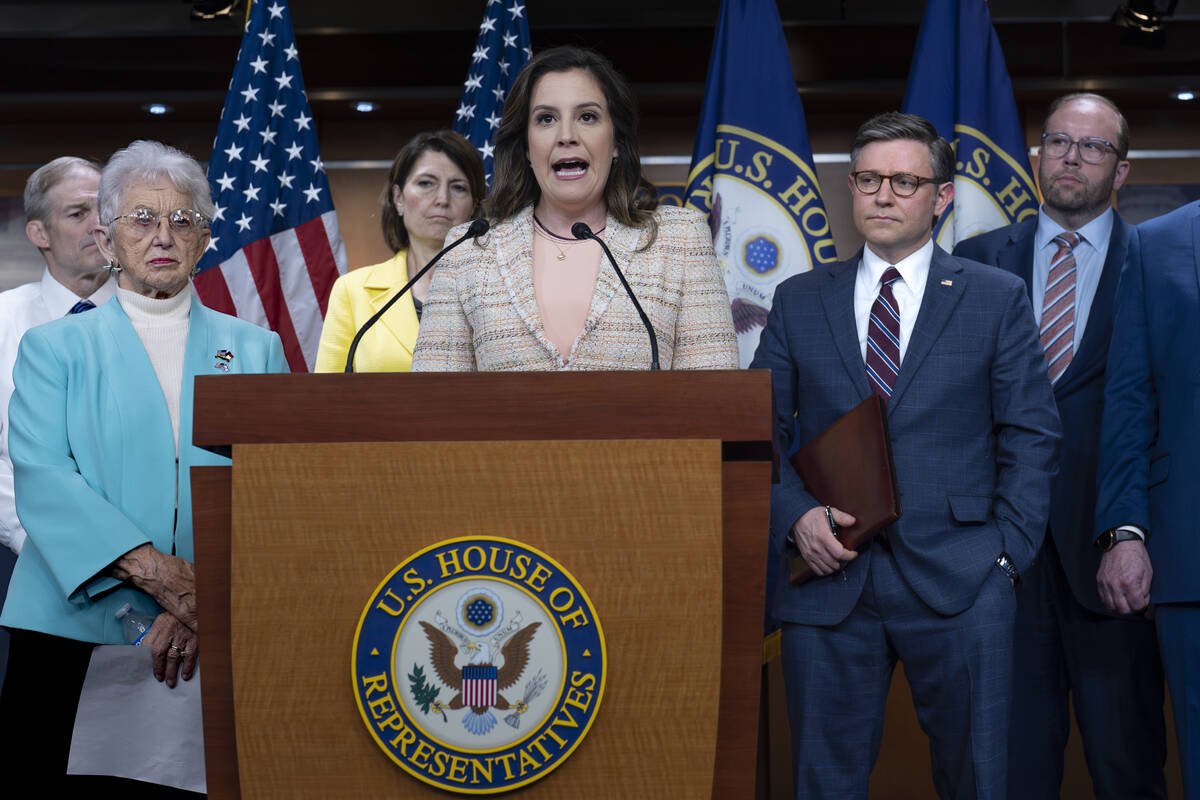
x,y
436,183
538,291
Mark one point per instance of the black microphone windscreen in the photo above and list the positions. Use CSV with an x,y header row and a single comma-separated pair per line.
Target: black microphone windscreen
x,y
580,230
478,227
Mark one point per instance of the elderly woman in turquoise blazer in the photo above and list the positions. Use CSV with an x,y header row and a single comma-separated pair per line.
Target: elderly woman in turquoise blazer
x,y
101,445
436,183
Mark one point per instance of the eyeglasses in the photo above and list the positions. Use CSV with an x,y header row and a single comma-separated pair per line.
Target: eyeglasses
x,y
904,184
1091,149
181,221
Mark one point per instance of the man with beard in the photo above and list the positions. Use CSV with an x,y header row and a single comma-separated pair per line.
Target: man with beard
x,y
1078,628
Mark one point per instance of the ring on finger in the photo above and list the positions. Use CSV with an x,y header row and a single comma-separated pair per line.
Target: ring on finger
x,y
173,649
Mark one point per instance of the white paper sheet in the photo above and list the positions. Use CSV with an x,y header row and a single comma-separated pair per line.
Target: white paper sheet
x,y
132,726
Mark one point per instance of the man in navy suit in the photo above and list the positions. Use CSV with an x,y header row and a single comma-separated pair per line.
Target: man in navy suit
x,y
953,347
1150,453
1075,633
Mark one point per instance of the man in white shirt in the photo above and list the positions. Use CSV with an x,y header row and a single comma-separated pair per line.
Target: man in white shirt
x,y
951,347
60,213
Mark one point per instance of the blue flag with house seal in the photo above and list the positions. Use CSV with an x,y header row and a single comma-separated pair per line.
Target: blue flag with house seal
x,y
752,170
959,82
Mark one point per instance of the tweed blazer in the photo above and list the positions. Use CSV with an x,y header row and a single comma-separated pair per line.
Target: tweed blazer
x,y
355,298
481,313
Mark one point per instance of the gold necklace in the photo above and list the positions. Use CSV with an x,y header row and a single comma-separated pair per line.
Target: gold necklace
x,y
554,239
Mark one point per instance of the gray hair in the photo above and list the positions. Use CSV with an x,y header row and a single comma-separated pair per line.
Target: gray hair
x,y
1122,125
892,126
45,178
147,161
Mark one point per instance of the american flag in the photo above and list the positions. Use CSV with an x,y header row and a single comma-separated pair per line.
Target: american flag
x,y
501,51
275,249
479,685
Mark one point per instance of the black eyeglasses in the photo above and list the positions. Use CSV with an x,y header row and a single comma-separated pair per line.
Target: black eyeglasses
x,y
181,221
904,184
1092,149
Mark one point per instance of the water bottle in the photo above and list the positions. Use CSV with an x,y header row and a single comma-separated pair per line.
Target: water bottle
x,y
134,623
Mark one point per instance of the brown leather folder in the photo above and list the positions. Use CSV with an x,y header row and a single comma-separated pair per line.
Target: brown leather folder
x,y
849,466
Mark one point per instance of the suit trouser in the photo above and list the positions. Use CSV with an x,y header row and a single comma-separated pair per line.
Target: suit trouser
x,y
1179,637
959,668
1111,668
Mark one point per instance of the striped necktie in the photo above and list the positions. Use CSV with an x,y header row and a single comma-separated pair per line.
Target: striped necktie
x,y
883,338
81,306
1058,307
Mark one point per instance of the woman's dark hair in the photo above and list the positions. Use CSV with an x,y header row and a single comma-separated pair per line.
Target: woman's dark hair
x,y
630,197
457,149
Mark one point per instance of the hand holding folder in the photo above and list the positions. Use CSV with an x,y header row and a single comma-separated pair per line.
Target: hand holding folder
x,y
849,466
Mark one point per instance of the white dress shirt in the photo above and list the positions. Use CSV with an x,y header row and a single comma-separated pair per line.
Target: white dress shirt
x,y
909,290
1090,254
21,309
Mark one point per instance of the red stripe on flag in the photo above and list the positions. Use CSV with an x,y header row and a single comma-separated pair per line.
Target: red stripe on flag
x,y
318,256
214,292
265,271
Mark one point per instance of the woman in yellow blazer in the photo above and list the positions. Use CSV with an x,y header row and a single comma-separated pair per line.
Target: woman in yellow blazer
x,y
436,182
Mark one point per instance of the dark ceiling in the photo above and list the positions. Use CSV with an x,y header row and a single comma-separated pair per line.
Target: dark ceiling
x,y
102,61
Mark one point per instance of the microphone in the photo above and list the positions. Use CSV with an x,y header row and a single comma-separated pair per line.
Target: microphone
x,y
580,230
478,228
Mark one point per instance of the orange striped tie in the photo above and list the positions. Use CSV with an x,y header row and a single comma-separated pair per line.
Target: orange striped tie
x,y
1058,307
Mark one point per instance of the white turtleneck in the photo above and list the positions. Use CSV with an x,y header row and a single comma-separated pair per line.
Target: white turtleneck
x,y
162,325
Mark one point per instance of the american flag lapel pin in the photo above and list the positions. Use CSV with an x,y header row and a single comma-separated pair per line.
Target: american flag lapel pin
x,y
947,283
223,358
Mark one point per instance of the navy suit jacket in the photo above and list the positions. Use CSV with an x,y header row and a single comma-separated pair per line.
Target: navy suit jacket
x,y
1150,436
972,422
1079,394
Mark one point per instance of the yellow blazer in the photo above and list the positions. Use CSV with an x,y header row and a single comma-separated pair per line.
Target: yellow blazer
x,y
355,298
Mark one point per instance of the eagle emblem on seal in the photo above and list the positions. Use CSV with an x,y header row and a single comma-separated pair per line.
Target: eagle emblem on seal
x,y
478,682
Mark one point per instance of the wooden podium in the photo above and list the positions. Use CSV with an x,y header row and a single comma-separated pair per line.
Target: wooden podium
x,y
651,489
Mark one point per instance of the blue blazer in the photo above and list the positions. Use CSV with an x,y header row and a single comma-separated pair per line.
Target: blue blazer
x,y
1150,436
1079,394
972,423
94,460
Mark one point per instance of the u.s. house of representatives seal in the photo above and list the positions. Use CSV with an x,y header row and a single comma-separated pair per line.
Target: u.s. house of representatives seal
x,y
479,665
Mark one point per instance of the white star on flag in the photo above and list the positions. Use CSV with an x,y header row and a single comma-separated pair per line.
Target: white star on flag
x,y
490,78
274,268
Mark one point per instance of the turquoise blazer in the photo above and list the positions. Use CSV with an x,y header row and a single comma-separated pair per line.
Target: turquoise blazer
x,y
94,460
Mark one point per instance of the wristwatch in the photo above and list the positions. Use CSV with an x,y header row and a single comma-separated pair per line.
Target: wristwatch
x,y
1005,563
1111,537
